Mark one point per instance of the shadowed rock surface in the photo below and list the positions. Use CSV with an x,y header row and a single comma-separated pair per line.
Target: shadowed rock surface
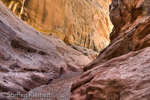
x,y
29,59
82,22
122,70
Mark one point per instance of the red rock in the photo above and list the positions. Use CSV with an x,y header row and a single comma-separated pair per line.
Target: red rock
x,y
123,36
121,71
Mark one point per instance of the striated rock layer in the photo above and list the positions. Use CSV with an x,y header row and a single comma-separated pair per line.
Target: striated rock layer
x,y
29,59
81,22
122,70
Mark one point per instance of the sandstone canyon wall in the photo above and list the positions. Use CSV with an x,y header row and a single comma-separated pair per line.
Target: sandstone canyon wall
x,y
81,22
122,70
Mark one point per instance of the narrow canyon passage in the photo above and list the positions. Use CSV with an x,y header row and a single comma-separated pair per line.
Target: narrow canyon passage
x,y
30,59
67,49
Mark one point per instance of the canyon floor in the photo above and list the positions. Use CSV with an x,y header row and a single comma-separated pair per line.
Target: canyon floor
x,y
31,62
58,88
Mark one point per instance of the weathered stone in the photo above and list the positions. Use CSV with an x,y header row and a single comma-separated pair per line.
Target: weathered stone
x,y
121,71
28,58
124,36
81,22
87,52
122,78
59,89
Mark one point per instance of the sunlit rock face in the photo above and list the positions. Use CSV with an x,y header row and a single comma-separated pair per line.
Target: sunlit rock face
x,y
81,22
122,70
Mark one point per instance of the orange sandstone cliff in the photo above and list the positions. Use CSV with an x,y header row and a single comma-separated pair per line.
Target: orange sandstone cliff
x,y
81,22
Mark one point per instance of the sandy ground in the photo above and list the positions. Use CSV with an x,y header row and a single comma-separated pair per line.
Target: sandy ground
x,y
58,89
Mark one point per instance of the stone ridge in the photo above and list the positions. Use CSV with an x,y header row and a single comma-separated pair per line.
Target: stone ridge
x,y
81,22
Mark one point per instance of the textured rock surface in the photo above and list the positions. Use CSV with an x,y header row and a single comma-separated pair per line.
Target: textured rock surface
x,y
122,70
28,58
129,33
82,22
87,52
58,88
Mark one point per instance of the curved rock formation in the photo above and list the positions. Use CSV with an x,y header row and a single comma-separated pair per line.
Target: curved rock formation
x,y
29,59
81,22
121,71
